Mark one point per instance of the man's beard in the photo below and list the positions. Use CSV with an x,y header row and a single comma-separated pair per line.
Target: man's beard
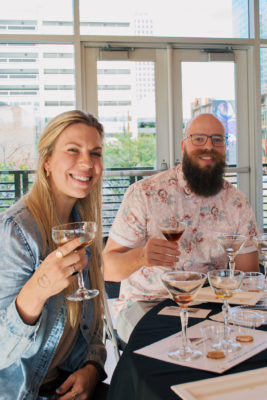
x,y
207,181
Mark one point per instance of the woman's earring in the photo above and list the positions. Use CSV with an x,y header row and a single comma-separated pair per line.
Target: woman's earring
x,y
47,173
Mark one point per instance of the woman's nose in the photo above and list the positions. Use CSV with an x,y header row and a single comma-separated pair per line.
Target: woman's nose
x,y
87,160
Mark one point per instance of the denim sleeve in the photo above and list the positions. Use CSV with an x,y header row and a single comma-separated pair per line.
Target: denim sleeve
x,y
17,264
96,351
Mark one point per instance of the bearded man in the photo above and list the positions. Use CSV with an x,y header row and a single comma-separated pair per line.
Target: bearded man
x,y
195,192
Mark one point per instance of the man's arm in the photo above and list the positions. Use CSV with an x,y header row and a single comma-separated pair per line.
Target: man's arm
x,y
247,262
121,261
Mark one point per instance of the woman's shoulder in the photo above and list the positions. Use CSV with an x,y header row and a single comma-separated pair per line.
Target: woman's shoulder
x,y
17,213
18,219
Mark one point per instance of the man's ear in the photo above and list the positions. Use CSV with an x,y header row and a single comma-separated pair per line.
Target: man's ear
x,y
182,145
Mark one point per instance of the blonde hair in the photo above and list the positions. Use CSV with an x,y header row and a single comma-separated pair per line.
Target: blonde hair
x,y
41,204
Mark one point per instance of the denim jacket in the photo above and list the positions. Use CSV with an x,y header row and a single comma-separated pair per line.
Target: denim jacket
x,y
27,351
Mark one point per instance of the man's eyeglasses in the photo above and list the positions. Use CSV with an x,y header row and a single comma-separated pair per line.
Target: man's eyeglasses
x,y
199,139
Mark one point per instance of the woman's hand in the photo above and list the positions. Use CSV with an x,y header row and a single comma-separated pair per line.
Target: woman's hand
x,y
79,385
52,276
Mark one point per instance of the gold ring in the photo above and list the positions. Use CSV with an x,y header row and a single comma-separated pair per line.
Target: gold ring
x,y
59,254
74,395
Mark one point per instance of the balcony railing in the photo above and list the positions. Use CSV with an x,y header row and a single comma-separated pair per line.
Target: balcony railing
x,y
14,184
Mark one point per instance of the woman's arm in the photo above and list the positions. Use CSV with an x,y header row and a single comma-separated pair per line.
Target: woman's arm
x,y
25,285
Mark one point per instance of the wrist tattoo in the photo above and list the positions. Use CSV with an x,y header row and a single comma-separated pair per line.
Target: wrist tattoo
x,y
43,281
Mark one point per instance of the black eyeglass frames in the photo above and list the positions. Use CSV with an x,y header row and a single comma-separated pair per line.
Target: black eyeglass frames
x,y
200,139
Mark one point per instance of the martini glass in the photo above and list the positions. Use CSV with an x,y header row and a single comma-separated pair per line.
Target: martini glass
x,y
62,234
261,243
172,229
225,283
231,244
183,286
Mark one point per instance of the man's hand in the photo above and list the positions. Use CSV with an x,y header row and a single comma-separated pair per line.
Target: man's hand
x,y
160,252
121,261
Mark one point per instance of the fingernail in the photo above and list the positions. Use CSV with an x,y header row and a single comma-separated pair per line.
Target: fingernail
x,y
82,239
59,389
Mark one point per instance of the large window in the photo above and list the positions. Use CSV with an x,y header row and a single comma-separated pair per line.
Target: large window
x,y
177,18
36,16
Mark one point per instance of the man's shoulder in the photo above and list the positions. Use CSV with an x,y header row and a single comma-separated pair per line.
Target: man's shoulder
x,y
230,191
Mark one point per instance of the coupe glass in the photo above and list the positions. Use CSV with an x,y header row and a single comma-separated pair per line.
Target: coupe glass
x,y
172,229
225,283
183,286
231,244
62,234
261,243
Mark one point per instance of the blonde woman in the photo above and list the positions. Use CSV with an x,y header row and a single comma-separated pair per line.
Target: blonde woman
x,y
51,347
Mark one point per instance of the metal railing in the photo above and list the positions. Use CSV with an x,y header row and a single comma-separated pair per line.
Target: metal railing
x,y
14,184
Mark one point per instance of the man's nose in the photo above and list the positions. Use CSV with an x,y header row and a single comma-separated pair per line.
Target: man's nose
x,y
209,144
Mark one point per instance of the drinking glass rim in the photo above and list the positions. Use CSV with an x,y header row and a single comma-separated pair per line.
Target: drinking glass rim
x,y
260,236
161,225
225,234
201,274
61,227
228,272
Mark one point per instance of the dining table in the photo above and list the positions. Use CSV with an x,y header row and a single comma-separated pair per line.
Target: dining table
x,y
138,377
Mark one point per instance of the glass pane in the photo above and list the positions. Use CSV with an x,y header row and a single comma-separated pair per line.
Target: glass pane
x,y
263,19
264,130
37,16
190,18
213,93
36,83
126,107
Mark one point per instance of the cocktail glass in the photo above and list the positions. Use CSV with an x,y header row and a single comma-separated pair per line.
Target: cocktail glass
x,y
231,244
183,286
172,229
261,243
62,234
225,283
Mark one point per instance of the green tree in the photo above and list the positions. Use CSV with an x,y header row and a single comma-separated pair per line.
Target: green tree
x,y
124,151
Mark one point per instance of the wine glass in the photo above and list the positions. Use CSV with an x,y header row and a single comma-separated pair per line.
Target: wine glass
x,y
183,286
225,283
172,229
231,244
261,243
62,234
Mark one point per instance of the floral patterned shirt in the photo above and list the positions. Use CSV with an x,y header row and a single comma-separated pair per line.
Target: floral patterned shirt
x,y
164,196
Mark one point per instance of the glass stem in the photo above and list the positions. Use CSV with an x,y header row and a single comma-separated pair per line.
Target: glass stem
x,y
225,309
184,321
232,264
265,268
80,280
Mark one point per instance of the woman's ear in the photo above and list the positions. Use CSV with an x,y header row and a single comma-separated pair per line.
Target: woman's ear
x,y
47,167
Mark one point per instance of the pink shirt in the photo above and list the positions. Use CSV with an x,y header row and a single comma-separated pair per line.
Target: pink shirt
x,y
167,195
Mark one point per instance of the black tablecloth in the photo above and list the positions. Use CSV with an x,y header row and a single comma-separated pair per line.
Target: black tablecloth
x,y
137,377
